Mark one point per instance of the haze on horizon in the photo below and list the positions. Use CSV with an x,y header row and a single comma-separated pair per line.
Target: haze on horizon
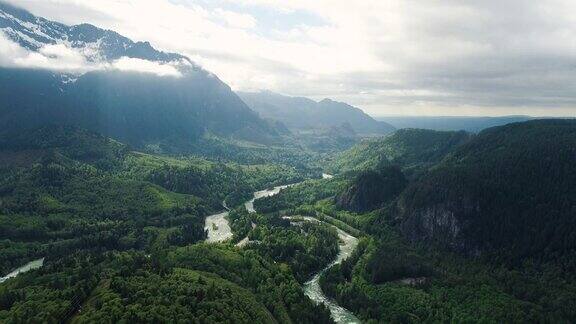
x,y
397,57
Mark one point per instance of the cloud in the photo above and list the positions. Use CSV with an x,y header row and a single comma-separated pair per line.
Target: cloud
x,y
59,57
52,57
388,57
144,66
9,51
236,20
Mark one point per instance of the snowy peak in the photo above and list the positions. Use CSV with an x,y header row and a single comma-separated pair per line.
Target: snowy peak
x,y
95,44
27,30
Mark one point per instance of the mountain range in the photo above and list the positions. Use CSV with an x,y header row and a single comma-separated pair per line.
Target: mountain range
x,y
127,90
305,114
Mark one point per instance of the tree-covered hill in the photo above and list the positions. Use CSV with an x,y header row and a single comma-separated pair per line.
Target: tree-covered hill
x,y
411,149
510,190
372,189
109,222
380,168
65,188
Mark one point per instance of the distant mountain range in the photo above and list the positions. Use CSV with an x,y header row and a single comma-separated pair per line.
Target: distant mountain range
x,y
304,113
448,123
134,106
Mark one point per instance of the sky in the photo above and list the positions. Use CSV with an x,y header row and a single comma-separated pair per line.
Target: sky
x,y
387,57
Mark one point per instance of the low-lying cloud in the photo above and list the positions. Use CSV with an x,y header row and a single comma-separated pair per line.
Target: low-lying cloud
x,y
62,58
128,64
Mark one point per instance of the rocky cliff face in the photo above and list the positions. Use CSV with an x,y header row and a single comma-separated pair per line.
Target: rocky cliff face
x,y
444,223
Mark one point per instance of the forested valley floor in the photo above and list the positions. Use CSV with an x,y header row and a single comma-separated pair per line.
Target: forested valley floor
x,y
123,240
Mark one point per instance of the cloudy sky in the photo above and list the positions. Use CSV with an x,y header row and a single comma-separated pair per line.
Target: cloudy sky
x,y
388,57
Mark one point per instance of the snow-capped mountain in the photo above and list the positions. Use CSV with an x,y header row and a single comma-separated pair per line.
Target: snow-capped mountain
x,y
96,44
100,80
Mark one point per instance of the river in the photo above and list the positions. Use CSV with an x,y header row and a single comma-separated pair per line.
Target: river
x,y
264,193
217,225
25,268
219,230
312,288
327,176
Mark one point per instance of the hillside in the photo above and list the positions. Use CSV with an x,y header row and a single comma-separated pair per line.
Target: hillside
x,y
126,90
306,114
411,149
509,191
484,233
372,189
104,218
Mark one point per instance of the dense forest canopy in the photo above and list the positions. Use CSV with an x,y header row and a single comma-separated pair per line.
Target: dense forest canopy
x,y
402,271
510,189
412,149
160,196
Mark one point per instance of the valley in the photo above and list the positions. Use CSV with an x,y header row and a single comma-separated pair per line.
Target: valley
x,y
138,187
312,287
356,245
218,230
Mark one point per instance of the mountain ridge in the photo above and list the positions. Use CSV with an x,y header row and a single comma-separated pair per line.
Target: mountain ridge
x,y
305,113
137,106
32,33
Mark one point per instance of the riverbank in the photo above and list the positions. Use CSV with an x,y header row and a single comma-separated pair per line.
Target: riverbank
x,y
25,268
312,287
218,226
219,230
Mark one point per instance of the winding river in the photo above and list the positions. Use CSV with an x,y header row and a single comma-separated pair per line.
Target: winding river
x,y
219,230
217,225
264,193
312,288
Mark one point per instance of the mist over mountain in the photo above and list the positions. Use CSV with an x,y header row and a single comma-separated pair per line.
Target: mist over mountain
x,y
304,113
136,186
34,33
123,89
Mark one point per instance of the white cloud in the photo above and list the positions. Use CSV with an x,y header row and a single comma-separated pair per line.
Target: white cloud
x,y
59,57
419,57
52,57
9,51
236,20
144,66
